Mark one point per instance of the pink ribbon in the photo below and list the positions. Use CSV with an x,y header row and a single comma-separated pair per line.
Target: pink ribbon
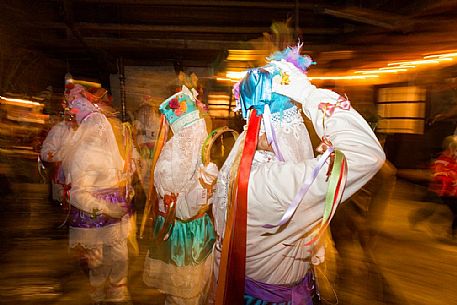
x,y
329,108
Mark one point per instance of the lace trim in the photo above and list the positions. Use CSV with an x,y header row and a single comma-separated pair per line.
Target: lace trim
x,y
285,121
178,162
289,116
184,121
184,282
92,238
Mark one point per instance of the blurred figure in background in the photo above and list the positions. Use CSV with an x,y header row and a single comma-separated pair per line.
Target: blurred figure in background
x,y
52,154
100,197
444,179
146,124
442,190
179,261
357,223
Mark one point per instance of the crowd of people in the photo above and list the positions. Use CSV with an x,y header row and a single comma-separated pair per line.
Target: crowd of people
x,y
250,232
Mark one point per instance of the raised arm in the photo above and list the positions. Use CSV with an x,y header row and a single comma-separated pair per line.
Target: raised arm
x,y
333,118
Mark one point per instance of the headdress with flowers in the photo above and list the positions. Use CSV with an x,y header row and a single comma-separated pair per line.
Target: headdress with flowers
x,y
263,94
180,109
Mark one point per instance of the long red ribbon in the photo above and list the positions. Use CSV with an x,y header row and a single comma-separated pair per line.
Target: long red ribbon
x,y
232,271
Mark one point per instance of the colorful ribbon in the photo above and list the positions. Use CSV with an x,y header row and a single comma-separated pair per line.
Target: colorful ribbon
x,y
302,191
337,182
232,269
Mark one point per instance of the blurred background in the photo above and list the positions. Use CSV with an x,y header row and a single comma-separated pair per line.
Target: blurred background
x,y
395,60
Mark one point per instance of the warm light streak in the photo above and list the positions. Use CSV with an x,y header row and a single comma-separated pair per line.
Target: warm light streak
x,y
396,68
346,77
400,66
381,71
235,74
19,101
84,83
217,100
225,79
445,58
424,62
218,96
441,55
247,55
415,62
393,67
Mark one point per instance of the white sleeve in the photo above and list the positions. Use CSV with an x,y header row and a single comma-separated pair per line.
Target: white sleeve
x,y
53,143
277,183
350,133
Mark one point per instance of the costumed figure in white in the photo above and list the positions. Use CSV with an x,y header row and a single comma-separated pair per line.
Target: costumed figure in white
x,y
100,197
146,126
179,261
273,198
52,153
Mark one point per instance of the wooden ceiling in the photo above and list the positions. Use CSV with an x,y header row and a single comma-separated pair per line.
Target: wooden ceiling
x,y
93,35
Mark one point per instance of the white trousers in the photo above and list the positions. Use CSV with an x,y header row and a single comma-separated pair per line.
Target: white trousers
x,y
108,272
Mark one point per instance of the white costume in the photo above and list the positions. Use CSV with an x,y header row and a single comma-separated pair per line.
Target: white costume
x,y
52,150
100,202
146,126
282,255
179,261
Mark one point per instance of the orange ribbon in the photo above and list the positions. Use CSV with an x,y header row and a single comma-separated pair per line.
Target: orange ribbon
x,y
232,269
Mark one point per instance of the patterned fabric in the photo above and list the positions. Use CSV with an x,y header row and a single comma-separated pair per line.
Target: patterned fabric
x,y
179,160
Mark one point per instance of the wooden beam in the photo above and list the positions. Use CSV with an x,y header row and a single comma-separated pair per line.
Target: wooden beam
x,y
436,7
119,27
205,3
372,17
195,44
101,57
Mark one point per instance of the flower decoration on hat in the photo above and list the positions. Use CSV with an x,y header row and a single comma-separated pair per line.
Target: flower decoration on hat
x,y
173,103
180,109
256,85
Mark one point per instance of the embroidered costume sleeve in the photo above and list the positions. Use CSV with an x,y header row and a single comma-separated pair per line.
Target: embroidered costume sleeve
x,y
51,150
